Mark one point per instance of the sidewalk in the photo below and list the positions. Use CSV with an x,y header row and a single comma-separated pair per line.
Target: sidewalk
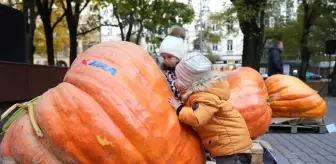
x,y
306,148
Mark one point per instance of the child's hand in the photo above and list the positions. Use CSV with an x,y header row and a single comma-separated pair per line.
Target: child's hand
x,y
174,103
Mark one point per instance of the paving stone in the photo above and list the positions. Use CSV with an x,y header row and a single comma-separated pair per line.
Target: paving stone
x,y
290,155
296,161
324,152
293,148
308,150
307,159
324,162
317,157
331,158
281,158
300,153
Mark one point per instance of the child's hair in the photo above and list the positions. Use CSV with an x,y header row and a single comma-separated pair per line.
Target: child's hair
x,y
177,31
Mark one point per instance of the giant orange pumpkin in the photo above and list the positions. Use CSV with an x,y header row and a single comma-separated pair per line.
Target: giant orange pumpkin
x,y
249,96
111,108
291,97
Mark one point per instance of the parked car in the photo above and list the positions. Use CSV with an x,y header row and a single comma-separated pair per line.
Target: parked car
x,y
264,75
313,76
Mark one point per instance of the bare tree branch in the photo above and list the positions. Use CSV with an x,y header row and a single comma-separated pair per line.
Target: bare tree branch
x,y
63,6
50,5
86,3
95,28
58,21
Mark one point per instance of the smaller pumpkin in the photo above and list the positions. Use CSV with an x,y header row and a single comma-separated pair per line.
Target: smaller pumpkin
x,y
292,98
249,96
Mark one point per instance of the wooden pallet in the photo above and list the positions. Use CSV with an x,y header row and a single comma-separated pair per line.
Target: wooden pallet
x,y
294,127
255,154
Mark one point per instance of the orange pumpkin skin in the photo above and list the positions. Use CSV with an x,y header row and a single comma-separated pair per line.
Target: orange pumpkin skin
x,y
101,116
249,96
292,98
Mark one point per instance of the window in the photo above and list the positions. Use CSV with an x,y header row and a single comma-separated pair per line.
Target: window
x,y
214,47
262,70
109,31
229,27
196,46
230,45
197,27
214,27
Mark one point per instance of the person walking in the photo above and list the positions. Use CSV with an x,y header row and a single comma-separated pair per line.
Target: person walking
x,y
275,65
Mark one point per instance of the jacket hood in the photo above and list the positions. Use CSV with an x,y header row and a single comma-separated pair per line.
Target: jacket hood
x,y
214,83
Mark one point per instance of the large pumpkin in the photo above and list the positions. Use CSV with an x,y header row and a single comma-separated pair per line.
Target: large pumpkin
x,y
111,108
249,96
291,97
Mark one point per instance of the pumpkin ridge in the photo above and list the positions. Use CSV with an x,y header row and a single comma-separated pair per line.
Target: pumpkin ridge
x,y
300,99
102,111
97,98
57,98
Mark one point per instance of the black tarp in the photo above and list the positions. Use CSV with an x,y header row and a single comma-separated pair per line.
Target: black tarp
x,y
12,35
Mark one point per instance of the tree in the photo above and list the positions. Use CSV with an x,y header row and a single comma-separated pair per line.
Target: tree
x,y
250,16
60,35
305,36
45,10
330,14
30,19
312,9
210,37
72,10
134,17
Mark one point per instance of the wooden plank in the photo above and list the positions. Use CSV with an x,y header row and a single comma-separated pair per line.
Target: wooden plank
x,y
256,149
256,153
316,125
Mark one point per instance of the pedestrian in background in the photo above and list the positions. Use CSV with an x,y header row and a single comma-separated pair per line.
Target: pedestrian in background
x,y
275,65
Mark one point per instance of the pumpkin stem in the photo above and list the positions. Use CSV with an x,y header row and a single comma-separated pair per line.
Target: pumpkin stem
x,y
9,110
33,122
22,108
268,100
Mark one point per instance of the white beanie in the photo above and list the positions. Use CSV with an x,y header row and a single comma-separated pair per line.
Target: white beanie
x,y
173,45
192,68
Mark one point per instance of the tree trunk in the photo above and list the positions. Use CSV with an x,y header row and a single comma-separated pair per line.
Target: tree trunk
x,y
248,49
73,43
138,38
305,55
49,42
30,17
129,32
253,30
121,26
252,48
332,84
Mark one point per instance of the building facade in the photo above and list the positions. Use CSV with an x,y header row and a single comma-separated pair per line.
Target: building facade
x,y
230,48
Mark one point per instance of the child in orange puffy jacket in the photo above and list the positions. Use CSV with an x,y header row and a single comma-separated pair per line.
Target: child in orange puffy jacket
x,y
206,108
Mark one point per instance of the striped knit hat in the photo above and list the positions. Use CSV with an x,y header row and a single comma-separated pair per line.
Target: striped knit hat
x,y
192,68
